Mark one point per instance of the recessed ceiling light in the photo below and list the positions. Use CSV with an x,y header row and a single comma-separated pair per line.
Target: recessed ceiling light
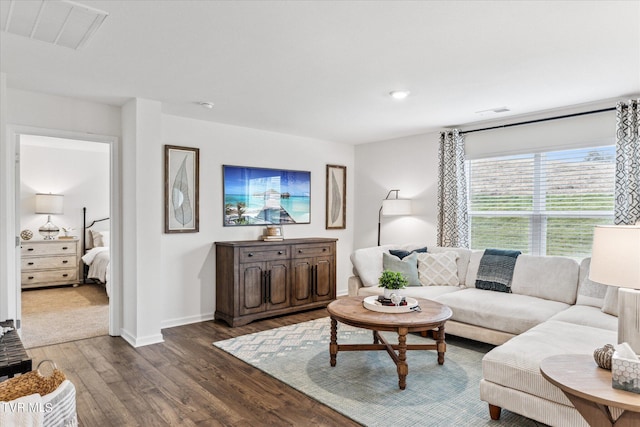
x,y
399,94
205,104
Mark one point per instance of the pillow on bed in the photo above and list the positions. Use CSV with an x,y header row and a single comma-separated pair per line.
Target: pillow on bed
x,y
100,238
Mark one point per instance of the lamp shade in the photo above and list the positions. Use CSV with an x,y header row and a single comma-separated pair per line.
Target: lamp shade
x,y
50,204
615,256
392,207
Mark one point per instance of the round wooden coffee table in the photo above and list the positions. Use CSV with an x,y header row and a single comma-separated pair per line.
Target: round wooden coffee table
x,y
351,311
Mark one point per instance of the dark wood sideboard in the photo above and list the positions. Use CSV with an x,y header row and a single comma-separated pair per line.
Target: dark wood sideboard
x,y
256,279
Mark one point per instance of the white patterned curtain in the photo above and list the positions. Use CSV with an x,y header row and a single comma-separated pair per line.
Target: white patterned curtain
x,y
627,206
453,220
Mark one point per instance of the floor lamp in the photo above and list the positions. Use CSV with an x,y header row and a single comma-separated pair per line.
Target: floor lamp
x,y
615,261
393,207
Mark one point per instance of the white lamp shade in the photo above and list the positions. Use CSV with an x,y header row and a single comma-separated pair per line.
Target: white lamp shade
x,y
615,256
392,207
50,204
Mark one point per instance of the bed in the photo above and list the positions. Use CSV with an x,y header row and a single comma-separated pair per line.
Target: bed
x,y
95,249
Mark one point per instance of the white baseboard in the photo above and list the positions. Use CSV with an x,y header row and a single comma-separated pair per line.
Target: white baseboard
x,y
170,323
140,342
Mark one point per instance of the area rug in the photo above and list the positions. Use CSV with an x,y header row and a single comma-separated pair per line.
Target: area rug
x,y
63,314
364,385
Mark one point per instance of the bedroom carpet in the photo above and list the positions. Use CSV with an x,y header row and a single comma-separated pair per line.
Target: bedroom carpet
x,y
57,315
364,385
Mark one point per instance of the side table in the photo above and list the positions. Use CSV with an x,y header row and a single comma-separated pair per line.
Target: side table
x,y
13,357
589,388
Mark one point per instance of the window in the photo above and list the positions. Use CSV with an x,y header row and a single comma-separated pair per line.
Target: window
x,y
542,203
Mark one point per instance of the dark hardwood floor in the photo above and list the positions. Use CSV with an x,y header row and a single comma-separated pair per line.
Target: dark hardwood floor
x,y
183,381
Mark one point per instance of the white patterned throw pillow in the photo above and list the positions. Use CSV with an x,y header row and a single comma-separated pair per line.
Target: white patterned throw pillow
x,y
438,269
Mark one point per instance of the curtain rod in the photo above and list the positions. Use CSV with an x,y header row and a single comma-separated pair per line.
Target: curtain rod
x,y
539,120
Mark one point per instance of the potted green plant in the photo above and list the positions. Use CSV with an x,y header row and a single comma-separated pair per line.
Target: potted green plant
x,y
392,281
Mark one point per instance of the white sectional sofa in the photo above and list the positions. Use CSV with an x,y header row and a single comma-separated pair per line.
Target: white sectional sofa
x,y
553,308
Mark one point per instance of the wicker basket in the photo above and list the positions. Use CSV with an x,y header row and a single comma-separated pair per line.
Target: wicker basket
x,y
31,382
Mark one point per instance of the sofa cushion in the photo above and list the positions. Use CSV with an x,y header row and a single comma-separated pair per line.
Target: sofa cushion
x,y
588,316
408,266
401,253
516,363
495,272
550,277
589,292
610,305
512,313
368,263
438,269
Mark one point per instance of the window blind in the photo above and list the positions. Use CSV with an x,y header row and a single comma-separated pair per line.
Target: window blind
x,y
543,203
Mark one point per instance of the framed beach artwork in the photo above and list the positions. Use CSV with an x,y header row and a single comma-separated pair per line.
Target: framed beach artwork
x,y
261,196
336,197
181,189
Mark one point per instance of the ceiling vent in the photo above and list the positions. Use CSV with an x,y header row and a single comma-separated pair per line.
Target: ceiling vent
x,y
62,22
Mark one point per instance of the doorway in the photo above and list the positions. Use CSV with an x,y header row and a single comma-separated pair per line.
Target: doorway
x,y
72,218
60,180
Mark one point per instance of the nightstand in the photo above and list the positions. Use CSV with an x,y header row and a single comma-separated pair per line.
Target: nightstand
x,y
49,263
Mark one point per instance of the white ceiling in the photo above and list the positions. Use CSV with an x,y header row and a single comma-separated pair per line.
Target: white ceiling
x,y
323,69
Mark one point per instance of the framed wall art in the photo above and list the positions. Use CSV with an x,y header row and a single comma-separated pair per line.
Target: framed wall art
x,y
261,196
336,197
181,189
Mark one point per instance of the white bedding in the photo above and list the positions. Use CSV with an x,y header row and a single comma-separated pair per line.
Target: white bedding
x,y
98,261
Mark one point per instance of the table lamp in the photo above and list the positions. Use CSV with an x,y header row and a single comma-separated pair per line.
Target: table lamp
x,y
393,207
49,204
615,261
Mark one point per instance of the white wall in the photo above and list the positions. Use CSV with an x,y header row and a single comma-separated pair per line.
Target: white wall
x,y
79,171
409,164
188,260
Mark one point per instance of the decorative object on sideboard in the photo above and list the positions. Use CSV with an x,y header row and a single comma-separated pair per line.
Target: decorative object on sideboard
x,y
602,356
336,197
273,233
393,207
26,234
614,262
49,204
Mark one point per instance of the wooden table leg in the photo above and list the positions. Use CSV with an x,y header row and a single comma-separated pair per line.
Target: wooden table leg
x,y
403,368
375,338
333,344
441,345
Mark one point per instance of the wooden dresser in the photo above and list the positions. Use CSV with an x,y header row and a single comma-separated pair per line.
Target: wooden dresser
x,y
49,263
256,279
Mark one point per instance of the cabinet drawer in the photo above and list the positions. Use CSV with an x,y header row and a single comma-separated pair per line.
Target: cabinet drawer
x,y
264,254
312,250
54,248
63,275
38,263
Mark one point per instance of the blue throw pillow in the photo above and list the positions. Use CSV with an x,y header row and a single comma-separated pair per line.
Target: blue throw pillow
x,y
401,254
408,266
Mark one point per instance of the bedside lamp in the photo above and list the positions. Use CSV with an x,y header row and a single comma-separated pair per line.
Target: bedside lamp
x,y
49,204
393,207
615,261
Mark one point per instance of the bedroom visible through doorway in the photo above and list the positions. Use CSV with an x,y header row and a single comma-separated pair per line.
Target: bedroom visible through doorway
x,y
60,303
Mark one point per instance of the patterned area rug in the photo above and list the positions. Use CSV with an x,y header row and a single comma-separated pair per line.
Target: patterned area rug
x,y
364,384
